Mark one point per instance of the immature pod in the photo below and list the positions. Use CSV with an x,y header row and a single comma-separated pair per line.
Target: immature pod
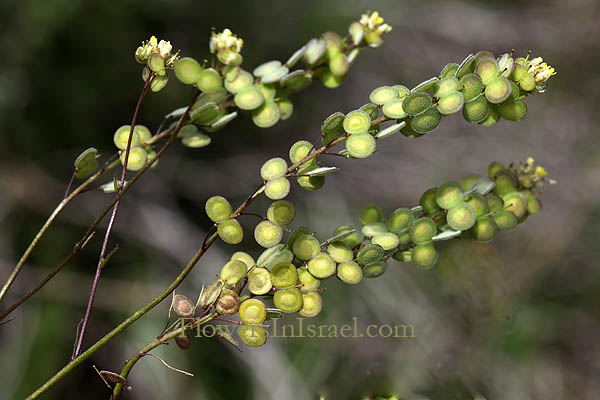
x,y
230,72
277,189
445,86
121,137
403,91
157,64
332,127
350,272
253,312
369,253
476,110
426,86
339,252
228,303
361,145
506,182
243,80
210,294
230,231
349,240
274,255
466,67
311,304
518,72
206,114
286,108
305,247
383,94
388,240
428,201
373,229
404,238
259,281
424,255
284,275
498,90
393,109
307,281
471,86
422,230
315,48
516,203
137,158
218,208
273,168
183,342
403,255
329,80
182,306
252,335
266,115
534,205
339,65
426,122
400,221
416,103
492,118
321,266
448,195
86,163
469,181
449,70
479,204
461,217
229,57
209,81
288,300
484,230
494,202
371,213
512,110
281,212
299,150
487,69
493,168
357,122
450,103
266,67
505,220
233,272
296,81
374,269
409,132
243,257
527,82
275,75
268,234
249,98
187,70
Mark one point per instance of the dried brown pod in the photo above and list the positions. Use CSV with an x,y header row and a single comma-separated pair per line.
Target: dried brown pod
x,y
182,306
228,303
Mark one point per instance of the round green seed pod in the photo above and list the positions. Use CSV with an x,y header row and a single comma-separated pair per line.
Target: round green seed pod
x,y
332,127
339,252
273,168
403,91
424,255
252,335
383,94
157,64
310,182
386,240
350,272
518,72
470,86
233,272
243,80
479,204
339,65
321,266
266,115
281,212
349,240
137,158
228,303
426,121
361,145
253,312
267,234
426,86
230,72
505,220
196,140
370,214
527,82
306,247
144,133
187,70
249,98
476,110
408,131
307,280
494,201
121,137
373,229
498,90
445,86
506,182
275,75
182,306
311,304
416,103
243,257
466,67
512,110
404,238
487,69
494,168
274,255
403,255
369,253
393,109
467,182
330,80
277,189
259,281
534,205
297,233
284,275
265,68
288,300
218,209
448,195
268,90
422,230
516,203
209,81
428,201
299,150
461,217
484,230
400,221
296,81
515,92
286,108
449,70
374,269
357,122
450,103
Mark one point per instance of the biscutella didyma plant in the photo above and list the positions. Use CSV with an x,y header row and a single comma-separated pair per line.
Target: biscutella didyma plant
x,y
289,273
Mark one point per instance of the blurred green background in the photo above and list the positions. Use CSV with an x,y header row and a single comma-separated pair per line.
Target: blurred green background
x,y
515,319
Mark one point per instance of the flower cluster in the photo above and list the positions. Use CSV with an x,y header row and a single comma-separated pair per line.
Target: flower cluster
x,y
225,40
530,175
144,53
373,27
541,71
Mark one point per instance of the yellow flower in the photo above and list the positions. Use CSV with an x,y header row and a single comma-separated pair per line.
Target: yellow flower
x,y
540,70
225,40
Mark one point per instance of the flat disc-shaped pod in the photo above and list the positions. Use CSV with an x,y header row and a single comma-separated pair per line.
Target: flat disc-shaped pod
x,y
426,121
467,182
393,109
400,221
259,281
466,67
296,80
409,132
144,133
307,280
121,137
512,110
527,82
374,269
446,85
461,217
305,247
310,182
311,304
182,306
424,255
196,140
288,300
516,203
86,163
228,302
498,90
245,258
451,103
265,68
294,58
315,48
329,79
349,239
386,240
487,69
383,94
205,114
268,234
286,108
339,65
426,86
299,150
274,255
371,213
284,275
403,91
209,81
505,220
249,98
274,75
340,252
252,335
448,195
483,54
137,158
484,230
494,201
281,212
416,103
371,109
187,70
266,115
273,168
242,81
253,312
428,201
449,70
277,189
233,272
422,230
373,229
479,204
369,253
350,272
361,145
471,86
321,266
230,231
218,208
476,110
402,256
357,122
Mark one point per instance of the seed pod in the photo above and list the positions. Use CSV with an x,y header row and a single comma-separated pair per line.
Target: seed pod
x,y
404,238
383,94
403,255
265,68
233,272
305,247
329,79
315,48
243,257
137,158
277,189
228,303
210,294
187,70
252,335
449,70
466,67
273,168
505,220
86,163
288,300
357,122
274,255
218,208
230,231
157,64
393,109
426,121
494,202
196,140
281,212
299,150
422,230
445,86
408,131
512,110
360,145
471,86
492,118
253,312
476,110
373,229
182,306
371,213
484,230
527,82
534,205
249,98
388,240
448,195
321,266
339,65
428,201
339,252
209,81
506,182
230,72
121,137
307,280
424,255
259,281
461,217
494,167
332,127
403,91
416,103
498,90
243,80
350,272
286,108
311,304
487,68
268,234
275,75
296,81
450,103
426,86
374,269
516,203
350,240
266,115
506,64
469,181
369,253
284,275
479,204
515,92
400,221
183,342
